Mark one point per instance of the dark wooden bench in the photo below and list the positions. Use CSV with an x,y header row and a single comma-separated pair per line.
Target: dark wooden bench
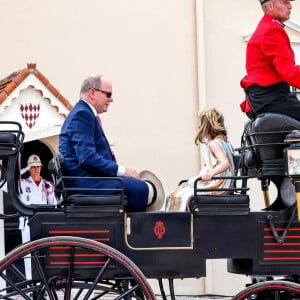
x,y
84,199
234,202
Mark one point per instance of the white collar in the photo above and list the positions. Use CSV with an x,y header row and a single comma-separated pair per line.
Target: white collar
x,y
91,107
30,178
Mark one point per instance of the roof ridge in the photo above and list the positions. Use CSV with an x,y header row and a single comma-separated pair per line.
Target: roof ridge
x,y
7,78
10,82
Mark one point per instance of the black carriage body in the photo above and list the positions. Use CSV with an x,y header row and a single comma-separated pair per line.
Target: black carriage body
x,y
176,245
161,244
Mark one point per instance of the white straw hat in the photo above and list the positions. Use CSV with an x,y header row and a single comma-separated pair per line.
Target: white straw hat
x,y
156,190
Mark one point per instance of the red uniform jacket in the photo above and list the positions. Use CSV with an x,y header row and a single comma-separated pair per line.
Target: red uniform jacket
x,y
270,58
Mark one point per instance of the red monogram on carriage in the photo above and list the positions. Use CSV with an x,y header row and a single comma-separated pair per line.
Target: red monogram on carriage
x,y
30,113
159,229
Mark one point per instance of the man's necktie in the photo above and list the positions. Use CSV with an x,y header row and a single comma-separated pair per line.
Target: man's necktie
x,y
100,123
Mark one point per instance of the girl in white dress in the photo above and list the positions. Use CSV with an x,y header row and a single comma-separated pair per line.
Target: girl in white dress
x,y
218,161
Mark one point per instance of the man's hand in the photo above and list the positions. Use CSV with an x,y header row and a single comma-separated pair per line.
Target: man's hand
x,y
131,173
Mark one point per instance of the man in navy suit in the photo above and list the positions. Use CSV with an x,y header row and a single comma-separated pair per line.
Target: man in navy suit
x,y
86,151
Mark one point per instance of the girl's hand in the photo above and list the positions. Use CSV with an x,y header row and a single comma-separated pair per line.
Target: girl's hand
x,y
207,176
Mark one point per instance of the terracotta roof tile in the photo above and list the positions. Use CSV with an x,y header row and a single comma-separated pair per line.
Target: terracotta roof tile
x,y
3,84
10,87
21,76
9,77
66,103
53,90
3,96
6,81
9,83
41,77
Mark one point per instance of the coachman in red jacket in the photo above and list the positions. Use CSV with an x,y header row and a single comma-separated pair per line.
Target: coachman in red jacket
x,y
270,65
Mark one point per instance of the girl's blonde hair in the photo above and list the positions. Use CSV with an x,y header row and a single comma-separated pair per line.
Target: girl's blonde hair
x,y
211,123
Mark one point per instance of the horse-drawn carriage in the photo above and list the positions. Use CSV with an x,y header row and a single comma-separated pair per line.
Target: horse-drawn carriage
x,y
88,247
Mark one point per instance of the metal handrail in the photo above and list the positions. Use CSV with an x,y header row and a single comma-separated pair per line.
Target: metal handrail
x,y
234,189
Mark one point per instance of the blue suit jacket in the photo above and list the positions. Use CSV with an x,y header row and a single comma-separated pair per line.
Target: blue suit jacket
x,y
86,152
84,146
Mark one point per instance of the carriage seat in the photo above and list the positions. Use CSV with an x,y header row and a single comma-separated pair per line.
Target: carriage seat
x,y
83,197
94,200
234,204
267,132
8,144
265,135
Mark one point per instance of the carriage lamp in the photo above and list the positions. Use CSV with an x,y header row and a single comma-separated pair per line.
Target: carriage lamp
x,y
293,163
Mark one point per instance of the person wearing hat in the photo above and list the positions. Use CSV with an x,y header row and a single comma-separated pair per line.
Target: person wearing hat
x,y
86,150
270,65
34,190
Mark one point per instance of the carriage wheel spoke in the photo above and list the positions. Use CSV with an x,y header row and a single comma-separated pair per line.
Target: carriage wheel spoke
x,y
78,294
17,272
103,269
100,295
43,275
14,286
70,274
128,292
65,282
